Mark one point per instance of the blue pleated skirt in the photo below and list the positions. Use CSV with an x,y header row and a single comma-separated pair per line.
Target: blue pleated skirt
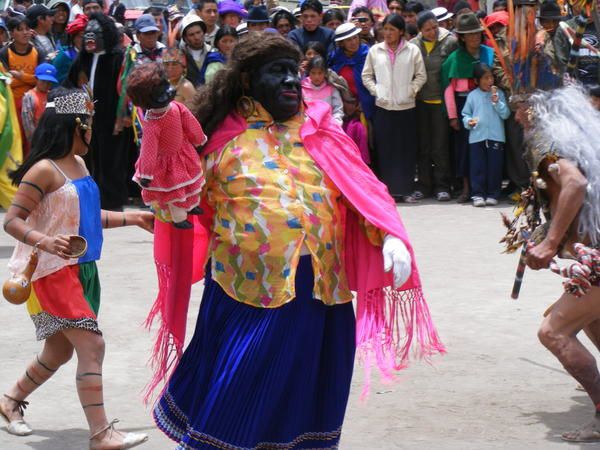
x,y
262,378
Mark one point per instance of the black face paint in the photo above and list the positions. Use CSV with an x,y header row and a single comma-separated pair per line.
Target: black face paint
x,y
276,86
93,37
162,94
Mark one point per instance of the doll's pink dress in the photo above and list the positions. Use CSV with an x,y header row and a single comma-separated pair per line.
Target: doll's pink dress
x,y
168,158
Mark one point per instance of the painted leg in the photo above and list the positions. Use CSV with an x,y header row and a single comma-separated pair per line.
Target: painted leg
x,y
90,348
593,333
56,352
558,333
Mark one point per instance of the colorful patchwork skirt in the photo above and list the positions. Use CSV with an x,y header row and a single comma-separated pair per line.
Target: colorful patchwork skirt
x,y
262,378
67,298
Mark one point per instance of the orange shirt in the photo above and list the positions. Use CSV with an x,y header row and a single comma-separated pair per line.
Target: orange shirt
x,y
27,64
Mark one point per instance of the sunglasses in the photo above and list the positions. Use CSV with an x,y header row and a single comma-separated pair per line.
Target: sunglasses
x,y
360,19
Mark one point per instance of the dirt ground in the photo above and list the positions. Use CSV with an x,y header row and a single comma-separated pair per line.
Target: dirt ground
x,y
497,388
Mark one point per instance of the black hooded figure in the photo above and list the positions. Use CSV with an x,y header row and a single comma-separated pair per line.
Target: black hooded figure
x,y
98,66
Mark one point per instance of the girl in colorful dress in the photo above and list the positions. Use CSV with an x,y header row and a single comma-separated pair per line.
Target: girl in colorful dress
x,y
56,199
168,168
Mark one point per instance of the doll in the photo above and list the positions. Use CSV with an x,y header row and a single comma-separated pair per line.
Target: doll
x,y
168,168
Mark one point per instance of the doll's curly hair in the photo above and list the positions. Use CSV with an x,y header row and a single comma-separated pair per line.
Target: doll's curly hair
x,y
141,82
218,98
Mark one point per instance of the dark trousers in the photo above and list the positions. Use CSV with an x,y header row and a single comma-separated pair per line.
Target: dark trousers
x,y
108,160
433,157
486,159
395,135
516,167
461,141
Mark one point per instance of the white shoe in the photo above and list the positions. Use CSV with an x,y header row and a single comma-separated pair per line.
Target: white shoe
x,y
129,439
17,427
133,439
478,202
491,201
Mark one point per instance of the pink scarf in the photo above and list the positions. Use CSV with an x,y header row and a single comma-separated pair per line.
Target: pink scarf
x,y
390,323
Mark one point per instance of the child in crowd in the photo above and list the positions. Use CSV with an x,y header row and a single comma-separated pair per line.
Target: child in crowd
x,y
3,33
316,86
483,115
595,97
499,5
174,62
34,100
353,126
312,49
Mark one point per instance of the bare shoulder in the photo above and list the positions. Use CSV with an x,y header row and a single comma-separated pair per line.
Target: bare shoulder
x,y
43,175
80,160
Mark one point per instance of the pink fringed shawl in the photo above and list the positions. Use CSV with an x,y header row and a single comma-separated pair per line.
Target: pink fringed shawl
x,y
390,324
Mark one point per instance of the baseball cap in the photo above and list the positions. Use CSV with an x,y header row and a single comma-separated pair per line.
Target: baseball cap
x,y
37,11
3,25
46,72
145,23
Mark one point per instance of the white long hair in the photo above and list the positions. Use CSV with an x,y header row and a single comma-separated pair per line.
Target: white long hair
x,y
566,123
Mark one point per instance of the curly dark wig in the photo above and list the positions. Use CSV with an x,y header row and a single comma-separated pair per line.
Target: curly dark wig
x,y
217,99
142,81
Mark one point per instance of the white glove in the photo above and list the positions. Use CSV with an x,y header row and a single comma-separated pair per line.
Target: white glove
x,y
396,257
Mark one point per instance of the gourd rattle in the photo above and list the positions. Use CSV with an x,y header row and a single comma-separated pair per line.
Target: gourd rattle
x,y
17,289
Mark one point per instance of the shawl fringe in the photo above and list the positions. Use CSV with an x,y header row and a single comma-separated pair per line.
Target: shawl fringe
x,y
391,327
167,349
392,324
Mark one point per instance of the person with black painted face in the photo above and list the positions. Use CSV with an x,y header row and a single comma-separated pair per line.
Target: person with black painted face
x,y
271,360
98,66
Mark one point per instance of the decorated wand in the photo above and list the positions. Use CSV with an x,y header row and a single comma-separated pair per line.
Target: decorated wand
x,y
520,267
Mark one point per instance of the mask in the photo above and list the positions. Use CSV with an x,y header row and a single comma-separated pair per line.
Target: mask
x,y
161,95
93,37
276,86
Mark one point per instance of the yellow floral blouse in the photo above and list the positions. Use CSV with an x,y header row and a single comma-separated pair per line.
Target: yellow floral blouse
x,y
270,199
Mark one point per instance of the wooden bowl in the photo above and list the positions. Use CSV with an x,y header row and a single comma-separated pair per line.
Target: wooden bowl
x,y
78,246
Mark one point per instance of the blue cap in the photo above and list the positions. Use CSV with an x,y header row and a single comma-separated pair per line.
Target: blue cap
x,y
46,72
145,23
3,25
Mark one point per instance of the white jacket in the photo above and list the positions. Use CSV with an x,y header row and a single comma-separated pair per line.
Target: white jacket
x,y
394,88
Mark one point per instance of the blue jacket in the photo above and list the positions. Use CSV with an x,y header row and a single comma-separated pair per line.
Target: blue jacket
x,y
211,57
301,37
338,59
490,117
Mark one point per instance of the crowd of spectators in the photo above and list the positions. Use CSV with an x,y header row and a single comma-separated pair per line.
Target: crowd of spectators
x,y
422,87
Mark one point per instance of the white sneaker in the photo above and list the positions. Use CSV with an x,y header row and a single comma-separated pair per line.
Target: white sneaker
x,y
478,201
491,201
